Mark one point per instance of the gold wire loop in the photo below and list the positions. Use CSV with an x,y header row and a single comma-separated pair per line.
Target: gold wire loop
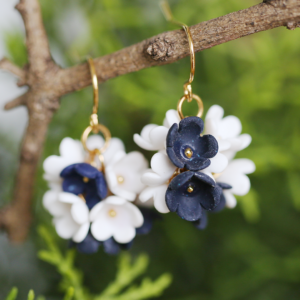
x,y
185,97
169,17
96,129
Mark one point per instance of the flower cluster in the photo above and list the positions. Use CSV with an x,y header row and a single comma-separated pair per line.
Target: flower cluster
x,y
91,207
192,173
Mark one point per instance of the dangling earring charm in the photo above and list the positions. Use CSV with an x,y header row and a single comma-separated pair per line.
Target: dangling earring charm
x,y
190,174
92,187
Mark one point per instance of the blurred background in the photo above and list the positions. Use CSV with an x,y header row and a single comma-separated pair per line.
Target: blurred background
x,y
250,252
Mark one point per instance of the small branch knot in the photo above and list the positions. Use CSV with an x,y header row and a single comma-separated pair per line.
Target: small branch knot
x,y
292,25
160,49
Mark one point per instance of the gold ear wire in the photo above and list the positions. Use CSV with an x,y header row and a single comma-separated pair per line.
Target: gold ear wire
x,y
95,127
165,7
188,94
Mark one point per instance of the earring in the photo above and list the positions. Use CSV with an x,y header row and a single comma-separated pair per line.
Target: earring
x,y
194,173
92,186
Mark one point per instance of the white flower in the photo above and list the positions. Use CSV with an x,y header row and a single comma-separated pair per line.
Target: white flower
x,y
71,214
115,217
71,152
227,131
235,175
124,172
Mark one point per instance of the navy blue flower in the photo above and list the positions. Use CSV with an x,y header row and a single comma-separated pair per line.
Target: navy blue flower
x,y
86,180
150,216
88,246
191,192
202,222
187,149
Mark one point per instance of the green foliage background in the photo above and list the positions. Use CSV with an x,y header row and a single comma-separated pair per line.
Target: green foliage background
x,y
251,252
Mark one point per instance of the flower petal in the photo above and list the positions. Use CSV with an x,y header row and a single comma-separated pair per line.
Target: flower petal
x,y
81,233
230,127
95,142
158,137
80,212
218,163
230,199
161,164
94,213
215,112
72,150
68,198
66,227
101,230
152,179
115,145
144,140
137,218
51,203
172,117
124,234
54,164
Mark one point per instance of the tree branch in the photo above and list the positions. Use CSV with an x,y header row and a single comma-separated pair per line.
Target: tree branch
x,y
48,82
15,103
8,66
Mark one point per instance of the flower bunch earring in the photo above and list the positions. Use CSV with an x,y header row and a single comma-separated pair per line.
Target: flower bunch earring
x,y
194,173
92,186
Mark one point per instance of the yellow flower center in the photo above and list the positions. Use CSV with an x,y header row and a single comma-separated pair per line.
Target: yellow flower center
x,y
112,213
120,179
188,152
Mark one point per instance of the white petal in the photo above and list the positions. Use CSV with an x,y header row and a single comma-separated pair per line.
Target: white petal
x,y
72,150
172,117
53,165
115,145
143,140
211,127
230,127
95,142
152,179
245,141
240,182
218,163
101,229
124,234
51,203
130,196
95,211
230,199
215,112
162,165
68,198
114,200
81,233
137,218
223,145
158,137
242,165
66,227
158,195
80,212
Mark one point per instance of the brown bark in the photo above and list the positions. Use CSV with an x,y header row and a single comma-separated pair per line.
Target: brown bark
x,y
48,82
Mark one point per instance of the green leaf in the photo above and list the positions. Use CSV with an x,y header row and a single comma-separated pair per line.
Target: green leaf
x,y
13,294
31,295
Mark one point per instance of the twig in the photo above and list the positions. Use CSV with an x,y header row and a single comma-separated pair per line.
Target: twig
x,y
48,82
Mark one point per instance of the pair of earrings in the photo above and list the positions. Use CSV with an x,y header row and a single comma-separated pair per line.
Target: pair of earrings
x,y
102,196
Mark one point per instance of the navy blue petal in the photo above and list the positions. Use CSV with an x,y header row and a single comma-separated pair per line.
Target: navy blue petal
x,y
224,186
89,245
73,184
86,170
112,247
101,185
221,204
210,197
201,224
69,170
205,178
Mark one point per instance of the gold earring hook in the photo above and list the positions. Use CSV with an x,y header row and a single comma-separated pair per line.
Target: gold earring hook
x,y
94,116
165,7
188,94
95,127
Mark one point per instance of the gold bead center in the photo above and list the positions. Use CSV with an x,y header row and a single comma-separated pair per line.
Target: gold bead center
x,y
188,152
85,179
190,189
120,179
112,213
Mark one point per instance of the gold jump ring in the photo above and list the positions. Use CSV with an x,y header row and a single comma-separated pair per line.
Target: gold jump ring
x,y
184,98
